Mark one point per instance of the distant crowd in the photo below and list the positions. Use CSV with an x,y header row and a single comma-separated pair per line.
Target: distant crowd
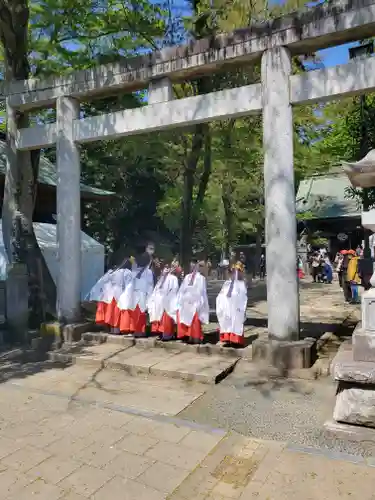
x,y
353,270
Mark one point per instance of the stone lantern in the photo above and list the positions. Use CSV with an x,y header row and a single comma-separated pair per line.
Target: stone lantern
x,y
362,174
354,365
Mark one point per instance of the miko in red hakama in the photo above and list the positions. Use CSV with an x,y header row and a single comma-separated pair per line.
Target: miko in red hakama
x,y
162,306
101,293
192,308
231,306
106,293
133,302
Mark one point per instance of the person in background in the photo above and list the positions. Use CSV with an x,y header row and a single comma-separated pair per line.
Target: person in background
x,y
315,266
262,267
209,267
231,306
162,304
344,273
353,275
232,258
365,270
243,260
338,264
192,305
223,269
327,270
300,272
133,301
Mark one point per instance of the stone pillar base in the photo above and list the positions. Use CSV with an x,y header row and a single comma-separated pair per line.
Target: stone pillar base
x,y
285,355
54,334
354,433
355,399
363,345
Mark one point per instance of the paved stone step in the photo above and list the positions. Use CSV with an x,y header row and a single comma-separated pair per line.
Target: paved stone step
x,y
174,346
167,363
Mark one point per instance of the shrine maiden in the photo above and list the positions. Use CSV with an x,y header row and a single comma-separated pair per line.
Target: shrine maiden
x,y
192,305
106,292
133,301
101,294
121,277
162,305
231,306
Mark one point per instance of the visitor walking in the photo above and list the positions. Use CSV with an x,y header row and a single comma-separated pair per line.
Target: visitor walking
x,y
353,276
345,283
262,267
338,263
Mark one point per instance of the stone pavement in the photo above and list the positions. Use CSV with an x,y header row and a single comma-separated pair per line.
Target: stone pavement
x,y
77,433
322,308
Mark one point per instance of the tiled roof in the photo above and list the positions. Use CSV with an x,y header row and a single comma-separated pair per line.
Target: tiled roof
x,y
48,175
324,196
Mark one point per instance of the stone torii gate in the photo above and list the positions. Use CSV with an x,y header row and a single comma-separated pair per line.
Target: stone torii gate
x,y
274,42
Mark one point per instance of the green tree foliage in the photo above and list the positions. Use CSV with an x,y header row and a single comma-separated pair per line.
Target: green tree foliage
x,y
48,37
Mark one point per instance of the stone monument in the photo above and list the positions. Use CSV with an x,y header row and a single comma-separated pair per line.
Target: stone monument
x,y
354,365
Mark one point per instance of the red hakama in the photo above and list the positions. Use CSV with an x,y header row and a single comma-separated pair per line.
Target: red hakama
x,y
133,322
165,326
112,314
233,338
194,331
101,309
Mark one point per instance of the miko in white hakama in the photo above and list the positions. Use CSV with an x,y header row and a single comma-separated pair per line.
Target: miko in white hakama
x,y
192,307
162,305
231,306
133,302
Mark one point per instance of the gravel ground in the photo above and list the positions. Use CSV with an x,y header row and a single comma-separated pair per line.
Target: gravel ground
x,y
291,411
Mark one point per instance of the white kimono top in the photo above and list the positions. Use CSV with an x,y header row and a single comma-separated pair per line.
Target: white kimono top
x,y
231,311
192,298
137,291
96,294
110,286
164,298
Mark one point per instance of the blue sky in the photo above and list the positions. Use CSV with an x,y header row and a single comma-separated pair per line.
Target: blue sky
x,y
336,55
330,57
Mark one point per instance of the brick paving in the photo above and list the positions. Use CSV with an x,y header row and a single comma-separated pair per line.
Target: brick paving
x,y
79,432
57,445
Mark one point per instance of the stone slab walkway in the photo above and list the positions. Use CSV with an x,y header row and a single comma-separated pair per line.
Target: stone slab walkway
x,y
58,444
154,361
322,308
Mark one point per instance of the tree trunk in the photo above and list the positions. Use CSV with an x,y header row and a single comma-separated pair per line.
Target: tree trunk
x,y
22,170
226,193
187,198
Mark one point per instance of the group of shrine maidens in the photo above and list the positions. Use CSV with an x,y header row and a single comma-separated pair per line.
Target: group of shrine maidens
x,y
127,293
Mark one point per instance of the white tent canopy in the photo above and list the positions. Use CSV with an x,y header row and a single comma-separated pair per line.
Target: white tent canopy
x,y
92,254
